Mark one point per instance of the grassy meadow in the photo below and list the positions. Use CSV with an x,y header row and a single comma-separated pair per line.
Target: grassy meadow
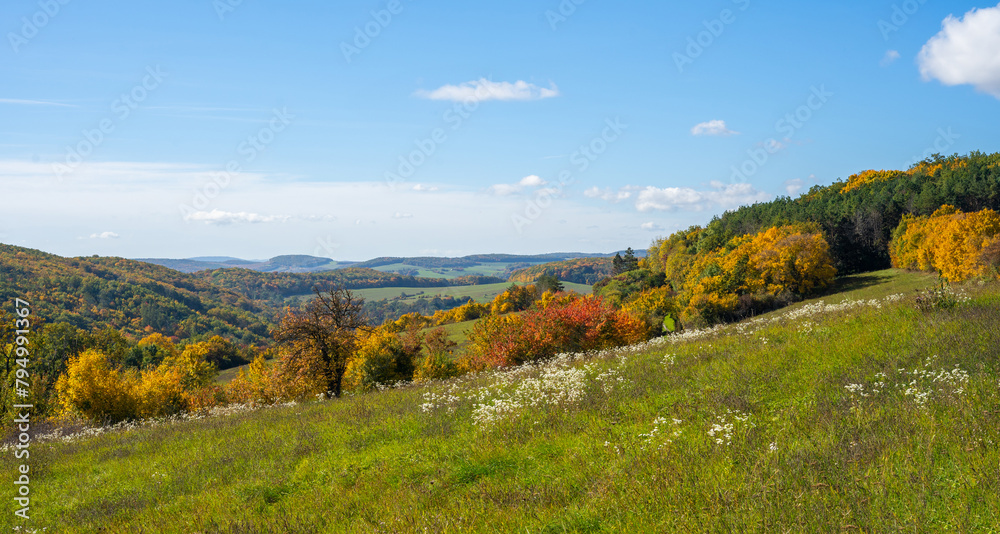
x,y
857,412
481,293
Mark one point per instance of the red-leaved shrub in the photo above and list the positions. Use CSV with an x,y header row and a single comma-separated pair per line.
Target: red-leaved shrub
x,y
571,325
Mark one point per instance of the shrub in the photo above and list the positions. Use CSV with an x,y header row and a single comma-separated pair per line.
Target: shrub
x,y
575,324
438,363
95,389
381,359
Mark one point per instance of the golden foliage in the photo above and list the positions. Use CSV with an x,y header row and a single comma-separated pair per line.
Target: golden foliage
x,y
652,307
955,244
856,181
381,358
93,388
779,260
466,312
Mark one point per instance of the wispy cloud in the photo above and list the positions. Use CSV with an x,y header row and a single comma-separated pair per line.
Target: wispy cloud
x,y
482,90
609,194
713,127
889,58
965,52
228,217
104,235
651,198
20,102
531,181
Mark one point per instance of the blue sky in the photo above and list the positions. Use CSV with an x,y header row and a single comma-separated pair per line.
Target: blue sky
x,y
357,129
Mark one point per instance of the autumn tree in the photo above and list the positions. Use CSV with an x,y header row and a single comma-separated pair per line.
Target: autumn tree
x,y
439,363
381,358
326,327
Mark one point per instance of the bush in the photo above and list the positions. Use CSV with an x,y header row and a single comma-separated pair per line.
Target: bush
x,y
93,388
574,324
381,359
438,364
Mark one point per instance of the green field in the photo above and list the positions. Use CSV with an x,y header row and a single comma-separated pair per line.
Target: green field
x,y
865,416
484,269
481,293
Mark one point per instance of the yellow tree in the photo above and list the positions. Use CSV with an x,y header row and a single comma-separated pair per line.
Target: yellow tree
x,y
95,389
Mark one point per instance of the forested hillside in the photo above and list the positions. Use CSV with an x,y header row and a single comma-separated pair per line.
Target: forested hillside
x,y
764,256
129,296
276,287
858,216
580,271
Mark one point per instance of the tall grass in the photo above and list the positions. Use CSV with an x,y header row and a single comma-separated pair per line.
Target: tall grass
x,y
866,416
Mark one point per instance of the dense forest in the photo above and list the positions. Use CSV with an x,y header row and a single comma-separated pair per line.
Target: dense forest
x,y
581,271
128,296
857,216
766,255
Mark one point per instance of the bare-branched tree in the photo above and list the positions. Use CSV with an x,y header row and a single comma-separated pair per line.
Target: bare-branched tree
x,y
325,327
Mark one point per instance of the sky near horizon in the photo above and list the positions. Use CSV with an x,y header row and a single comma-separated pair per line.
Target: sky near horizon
x,y
357,129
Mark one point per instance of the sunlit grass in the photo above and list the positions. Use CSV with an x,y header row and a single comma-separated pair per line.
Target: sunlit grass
x,y
773,425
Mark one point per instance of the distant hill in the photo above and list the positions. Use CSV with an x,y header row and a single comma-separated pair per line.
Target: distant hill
x,y
488,265
290,264
127,295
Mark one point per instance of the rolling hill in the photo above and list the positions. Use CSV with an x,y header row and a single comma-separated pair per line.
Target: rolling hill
x,y
858,412
127,295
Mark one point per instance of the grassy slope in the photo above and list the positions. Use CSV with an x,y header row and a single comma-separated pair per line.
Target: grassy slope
x,y
810,456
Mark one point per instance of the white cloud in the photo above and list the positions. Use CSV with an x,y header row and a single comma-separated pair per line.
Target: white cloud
x,y
531,181
402,215
650,226
715,127
965,51
608,194
794,186
482,90
674,198
424,188
321,215
104,235
217,216
889,58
